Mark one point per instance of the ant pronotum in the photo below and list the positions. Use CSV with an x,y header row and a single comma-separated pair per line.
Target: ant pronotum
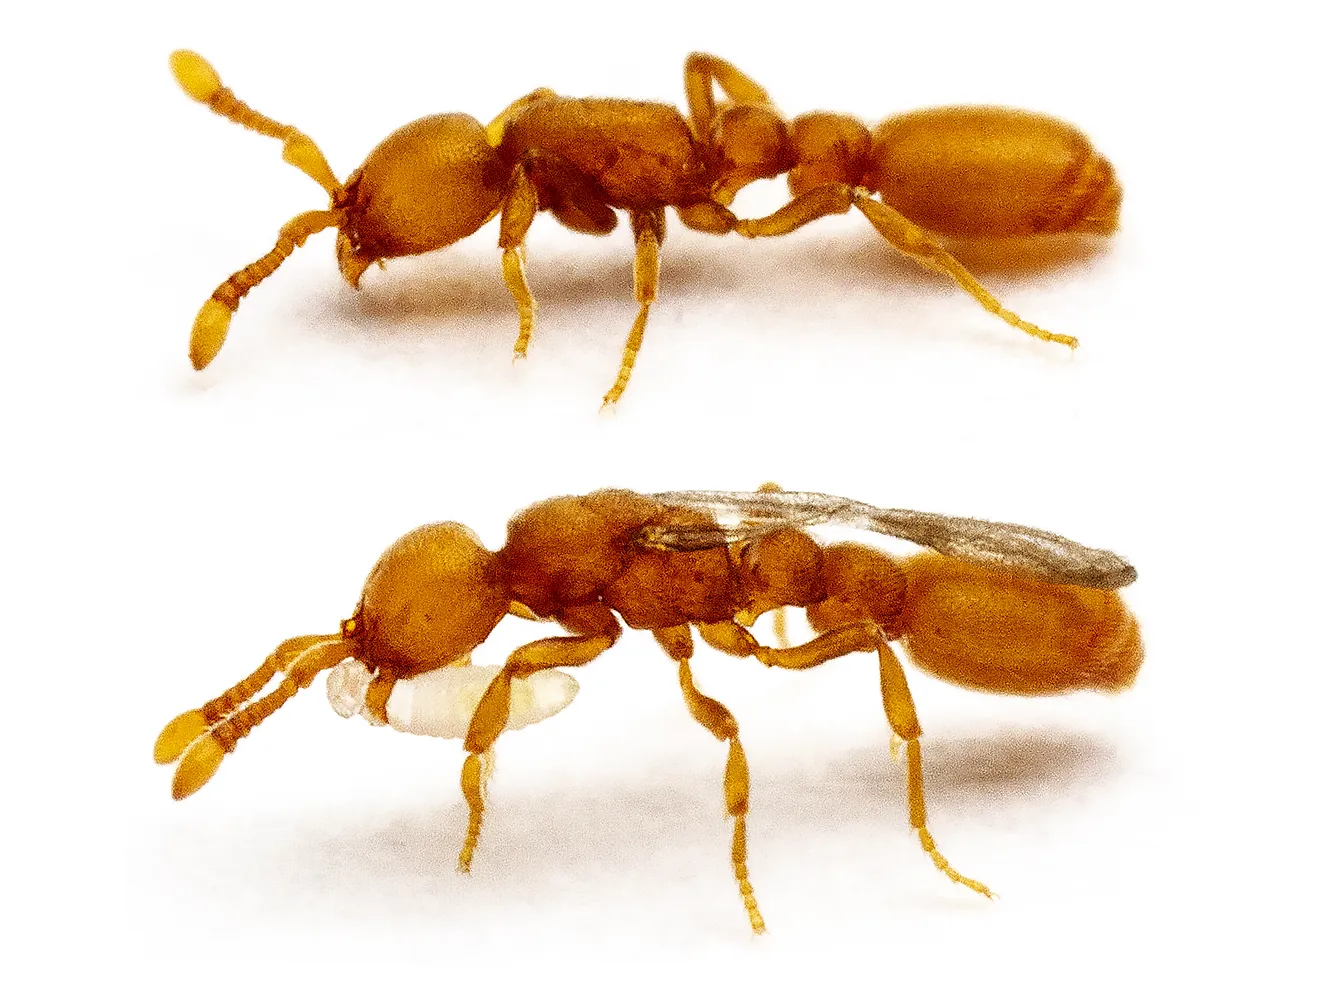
x,y
955,171
994,607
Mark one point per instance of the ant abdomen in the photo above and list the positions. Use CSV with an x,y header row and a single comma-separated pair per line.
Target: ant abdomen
x,y
992,172
1005,632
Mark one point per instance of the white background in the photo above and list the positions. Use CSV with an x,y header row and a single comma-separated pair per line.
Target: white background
x,y
166,528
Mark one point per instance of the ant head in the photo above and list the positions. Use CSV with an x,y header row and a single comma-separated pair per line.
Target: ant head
x,y
427,185
433,596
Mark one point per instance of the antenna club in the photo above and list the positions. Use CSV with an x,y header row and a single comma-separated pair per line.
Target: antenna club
x,y
177,736
197,767
195,75
209,332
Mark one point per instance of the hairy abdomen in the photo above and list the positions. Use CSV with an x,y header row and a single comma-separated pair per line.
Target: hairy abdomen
x,y
1005,632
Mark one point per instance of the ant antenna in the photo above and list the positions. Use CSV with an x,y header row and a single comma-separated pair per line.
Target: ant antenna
x,y
198,79
200,739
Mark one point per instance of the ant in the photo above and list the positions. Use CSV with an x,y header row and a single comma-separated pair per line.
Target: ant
x,y
985,172
994,607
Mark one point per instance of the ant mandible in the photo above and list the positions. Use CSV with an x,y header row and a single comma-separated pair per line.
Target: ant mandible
x,y
994,607
954,171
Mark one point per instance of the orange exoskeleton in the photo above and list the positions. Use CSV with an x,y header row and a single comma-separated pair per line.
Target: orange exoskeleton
x,y
995,607
987,172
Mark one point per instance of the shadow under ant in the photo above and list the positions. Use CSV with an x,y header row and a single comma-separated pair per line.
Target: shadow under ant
x,y
426,294
536,845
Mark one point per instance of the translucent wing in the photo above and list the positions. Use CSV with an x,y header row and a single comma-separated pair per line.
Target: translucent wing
x,y
1044,554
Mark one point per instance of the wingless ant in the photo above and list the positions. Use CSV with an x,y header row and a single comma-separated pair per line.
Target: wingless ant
x,y
995,607
985,172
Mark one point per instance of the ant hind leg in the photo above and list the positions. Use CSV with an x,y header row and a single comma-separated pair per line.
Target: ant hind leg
x,y
913,241
902,717
919,244
899,710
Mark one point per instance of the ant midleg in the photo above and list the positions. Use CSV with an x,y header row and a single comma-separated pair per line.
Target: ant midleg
x,y
649,230
719,721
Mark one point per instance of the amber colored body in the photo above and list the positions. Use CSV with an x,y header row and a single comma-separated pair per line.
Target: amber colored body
x,y
586,562
950,169
963,171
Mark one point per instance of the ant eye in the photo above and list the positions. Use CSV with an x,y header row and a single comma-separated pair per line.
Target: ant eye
x,y
348,627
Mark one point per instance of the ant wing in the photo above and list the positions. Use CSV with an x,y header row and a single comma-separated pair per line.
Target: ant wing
x,y
1044,554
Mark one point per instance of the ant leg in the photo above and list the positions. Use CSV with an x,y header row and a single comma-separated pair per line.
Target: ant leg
x,y
732,638
818,202
899,711
648,227
201,759
921,245
902,717
596,630
498,125
908,238
699,75
518,213
719,721
709,216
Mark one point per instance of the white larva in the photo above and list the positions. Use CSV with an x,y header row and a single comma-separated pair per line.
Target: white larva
x,y
441,702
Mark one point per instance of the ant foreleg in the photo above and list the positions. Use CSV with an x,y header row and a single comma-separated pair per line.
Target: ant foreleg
x,y
597,631
902,717
648,227
699,75
720,723
518,212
